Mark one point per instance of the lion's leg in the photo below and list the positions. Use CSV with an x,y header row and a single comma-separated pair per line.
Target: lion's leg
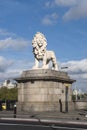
x,y
45,65
55,66
36,64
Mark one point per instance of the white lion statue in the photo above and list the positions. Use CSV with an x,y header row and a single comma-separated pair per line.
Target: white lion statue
x,y
39,44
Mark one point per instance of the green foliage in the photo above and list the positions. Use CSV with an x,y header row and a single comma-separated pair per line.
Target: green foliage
x,y
73,97
8,94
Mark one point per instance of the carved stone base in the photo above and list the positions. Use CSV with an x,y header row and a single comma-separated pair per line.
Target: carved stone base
x,y
44,90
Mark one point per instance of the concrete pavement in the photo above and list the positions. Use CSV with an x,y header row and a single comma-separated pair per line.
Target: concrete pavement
x,y
71,115
72,119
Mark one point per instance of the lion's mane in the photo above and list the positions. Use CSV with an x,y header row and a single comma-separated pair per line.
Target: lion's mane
x,y
39,44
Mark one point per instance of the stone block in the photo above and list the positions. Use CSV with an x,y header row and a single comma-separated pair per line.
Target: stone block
x,y
40,90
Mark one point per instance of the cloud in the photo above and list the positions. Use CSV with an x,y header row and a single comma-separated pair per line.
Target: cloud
x,y
11,40
76,9
77,12
65,2
13,68
4,64
10,68
48,4
77,66
50,19
78,71
4,32
16,43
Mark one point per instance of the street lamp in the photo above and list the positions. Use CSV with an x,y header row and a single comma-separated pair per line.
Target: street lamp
x,y
66,92
64,67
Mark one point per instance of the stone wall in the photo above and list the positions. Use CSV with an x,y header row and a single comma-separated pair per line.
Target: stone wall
x,y
81,104
41,90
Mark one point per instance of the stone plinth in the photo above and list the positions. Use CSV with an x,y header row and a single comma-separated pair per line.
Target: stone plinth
x,y
41,90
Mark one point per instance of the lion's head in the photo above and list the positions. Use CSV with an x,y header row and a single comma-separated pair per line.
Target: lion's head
x,y
39,44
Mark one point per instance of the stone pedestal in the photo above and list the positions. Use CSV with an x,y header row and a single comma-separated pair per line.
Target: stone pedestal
x,y
44,90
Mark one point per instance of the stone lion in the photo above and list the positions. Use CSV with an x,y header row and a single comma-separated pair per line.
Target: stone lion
x,y
39,44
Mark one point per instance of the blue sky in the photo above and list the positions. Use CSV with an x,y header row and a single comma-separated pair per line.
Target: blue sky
x,y
64,24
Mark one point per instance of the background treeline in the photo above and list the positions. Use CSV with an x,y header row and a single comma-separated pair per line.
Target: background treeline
x,y
8,94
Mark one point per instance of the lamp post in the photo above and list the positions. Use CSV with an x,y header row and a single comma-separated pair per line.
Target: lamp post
x,y
66,92
64,67
15,110
67,85
66,99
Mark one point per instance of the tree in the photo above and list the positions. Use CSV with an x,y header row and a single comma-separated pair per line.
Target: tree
x,y
8,94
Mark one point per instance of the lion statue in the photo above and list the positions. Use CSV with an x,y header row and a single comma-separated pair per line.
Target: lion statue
x,y
39,44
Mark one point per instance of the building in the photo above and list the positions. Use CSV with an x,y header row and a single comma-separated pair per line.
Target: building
x,y
9,84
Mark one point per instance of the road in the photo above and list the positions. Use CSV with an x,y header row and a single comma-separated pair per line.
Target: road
x,y
5,126
34,124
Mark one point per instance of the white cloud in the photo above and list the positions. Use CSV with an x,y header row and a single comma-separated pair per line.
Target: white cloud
x,y
76,9
77,71
10,68
65,2
47,4
77,12
13,43
77,66
50,19
13,68
20,65
4,32
4,64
